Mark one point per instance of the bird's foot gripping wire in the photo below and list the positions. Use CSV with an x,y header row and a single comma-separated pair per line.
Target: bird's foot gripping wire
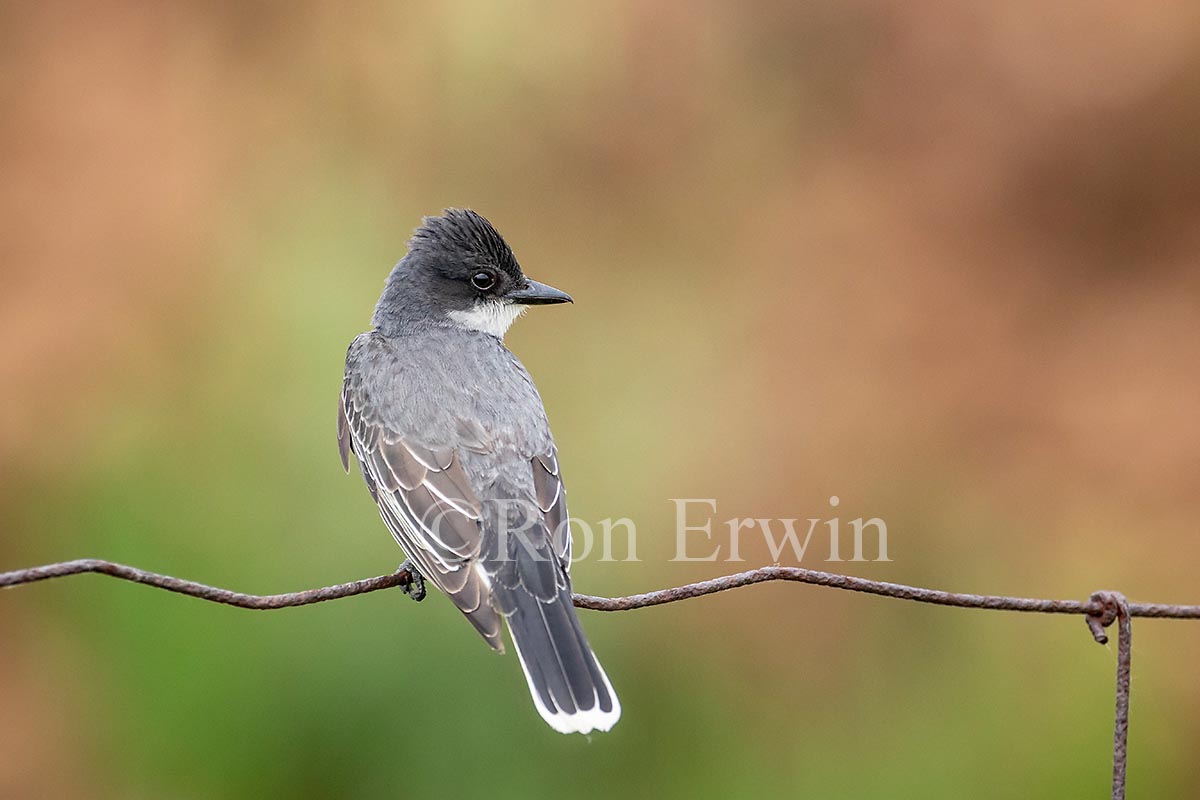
x,y
414,586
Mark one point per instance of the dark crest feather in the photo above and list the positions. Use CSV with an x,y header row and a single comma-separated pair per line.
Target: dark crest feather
x,y
466,232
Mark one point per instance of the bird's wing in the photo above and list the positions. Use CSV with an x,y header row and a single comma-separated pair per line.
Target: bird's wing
x,y
427,503
551,497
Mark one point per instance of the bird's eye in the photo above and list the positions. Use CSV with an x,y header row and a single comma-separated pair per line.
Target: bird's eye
x,y
483,280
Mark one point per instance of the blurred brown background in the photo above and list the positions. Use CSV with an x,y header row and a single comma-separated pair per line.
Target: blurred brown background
x,y
937,259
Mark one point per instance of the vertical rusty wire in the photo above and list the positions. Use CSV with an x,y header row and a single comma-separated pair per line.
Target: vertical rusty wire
x,y
1110,607
1124,666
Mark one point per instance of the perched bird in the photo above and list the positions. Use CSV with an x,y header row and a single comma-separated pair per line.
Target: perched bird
x,y
453,442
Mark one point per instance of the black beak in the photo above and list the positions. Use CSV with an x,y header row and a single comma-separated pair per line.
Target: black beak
x,y
538,294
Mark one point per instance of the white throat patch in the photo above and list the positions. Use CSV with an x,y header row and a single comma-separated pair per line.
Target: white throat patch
x,y
489,317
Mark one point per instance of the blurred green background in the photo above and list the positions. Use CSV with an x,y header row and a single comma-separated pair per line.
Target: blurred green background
x,y
938,259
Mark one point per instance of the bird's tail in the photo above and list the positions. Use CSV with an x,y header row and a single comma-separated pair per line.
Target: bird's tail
x,y
569,687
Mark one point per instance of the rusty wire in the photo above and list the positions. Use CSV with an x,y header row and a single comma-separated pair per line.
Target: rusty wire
x,y
1101,610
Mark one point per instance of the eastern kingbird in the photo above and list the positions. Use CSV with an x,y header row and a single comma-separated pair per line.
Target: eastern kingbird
x,y
454,445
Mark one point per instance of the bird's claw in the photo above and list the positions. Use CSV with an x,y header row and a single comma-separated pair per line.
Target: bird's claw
x,y
414,586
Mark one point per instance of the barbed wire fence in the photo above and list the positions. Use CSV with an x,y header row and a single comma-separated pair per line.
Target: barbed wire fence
x,y
1100,611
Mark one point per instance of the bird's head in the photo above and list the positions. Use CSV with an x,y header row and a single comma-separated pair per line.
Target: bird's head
x,y
460,269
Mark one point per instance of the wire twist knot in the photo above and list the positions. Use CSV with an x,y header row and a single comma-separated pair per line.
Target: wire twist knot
x,y
1106,608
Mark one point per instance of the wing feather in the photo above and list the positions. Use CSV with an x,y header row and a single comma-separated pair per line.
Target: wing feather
x,y
343,432
426,501
551,497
